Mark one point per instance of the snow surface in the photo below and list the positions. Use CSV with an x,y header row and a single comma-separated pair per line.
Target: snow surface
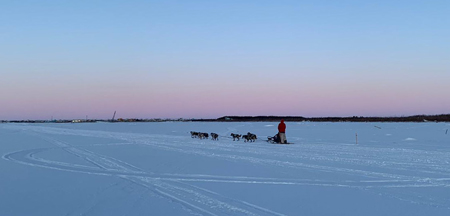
x,y
158,169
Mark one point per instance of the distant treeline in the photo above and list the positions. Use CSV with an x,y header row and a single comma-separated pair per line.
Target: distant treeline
x,y
415,118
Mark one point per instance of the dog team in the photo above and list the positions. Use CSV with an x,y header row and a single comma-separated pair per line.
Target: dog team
x,y
201,135
249,137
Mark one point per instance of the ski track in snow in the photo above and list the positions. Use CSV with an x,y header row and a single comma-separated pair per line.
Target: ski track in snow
x,y
193,198
199,201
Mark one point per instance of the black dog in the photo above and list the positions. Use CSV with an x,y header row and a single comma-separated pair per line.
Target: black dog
x,y
246,138
214,136
235,136
251,137
203,135
194,134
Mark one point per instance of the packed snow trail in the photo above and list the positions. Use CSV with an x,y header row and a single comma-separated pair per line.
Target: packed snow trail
x,y
196,199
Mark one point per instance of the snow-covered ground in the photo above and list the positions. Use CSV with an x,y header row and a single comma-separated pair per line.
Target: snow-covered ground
x,y
158,169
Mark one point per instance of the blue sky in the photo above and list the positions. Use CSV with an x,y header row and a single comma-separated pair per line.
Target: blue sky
x,y
214,58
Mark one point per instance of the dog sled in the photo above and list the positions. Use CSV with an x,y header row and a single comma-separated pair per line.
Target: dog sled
x,y
276,140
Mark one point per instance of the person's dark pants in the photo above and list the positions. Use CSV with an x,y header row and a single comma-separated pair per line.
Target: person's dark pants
x,y
282,137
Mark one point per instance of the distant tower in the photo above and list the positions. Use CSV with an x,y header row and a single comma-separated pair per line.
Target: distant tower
x,y
113,116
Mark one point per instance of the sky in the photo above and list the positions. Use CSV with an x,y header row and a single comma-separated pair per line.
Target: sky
x,y
207,59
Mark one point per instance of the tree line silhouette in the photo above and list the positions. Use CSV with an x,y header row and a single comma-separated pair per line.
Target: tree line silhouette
x,y
414,118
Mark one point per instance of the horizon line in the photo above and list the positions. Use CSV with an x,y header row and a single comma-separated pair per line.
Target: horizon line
x,y
227,116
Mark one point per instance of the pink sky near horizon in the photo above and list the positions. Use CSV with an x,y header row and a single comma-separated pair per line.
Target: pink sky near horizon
x,y
195,100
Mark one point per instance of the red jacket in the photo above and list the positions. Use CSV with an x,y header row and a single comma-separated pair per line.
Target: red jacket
x,y
282,127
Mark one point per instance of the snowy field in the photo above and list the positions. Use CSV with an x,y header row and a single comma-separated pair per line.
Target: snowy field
x,y
109,169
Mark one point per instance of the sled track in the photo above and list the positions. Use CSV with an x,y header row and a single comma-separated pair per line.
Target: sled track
x,y
193,198
29,157
176,187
